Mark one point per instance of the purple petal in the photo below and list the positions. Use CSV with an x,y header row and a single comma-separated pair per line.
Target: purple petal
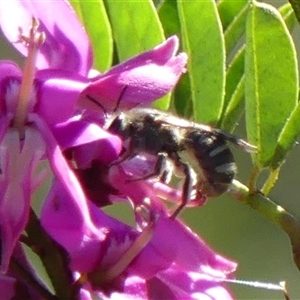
x,y
136,191
188,285
11,288
16,186
58,215
159,258
57,96
66,46
89,140
134,288
85,295
146,78
8,71
61,168
192,255
72,228
8,287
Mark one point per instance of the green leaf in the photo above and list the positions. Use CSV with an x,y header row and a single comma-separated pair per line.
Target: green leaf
x,y
168,16
234,73
136,29
271,83
288,15
229,9
136,26
235,29
182,97
203,40
287,138
235,108
296,7
95,20
182,101
234,104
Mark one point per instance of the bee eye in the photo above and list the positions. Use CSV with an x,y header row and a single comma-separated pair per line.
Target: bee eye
x,y
116,125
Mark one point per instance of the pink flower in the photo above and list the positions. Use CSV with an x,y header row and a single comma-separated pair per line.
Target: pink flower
x,y
30,106
54,112
164,260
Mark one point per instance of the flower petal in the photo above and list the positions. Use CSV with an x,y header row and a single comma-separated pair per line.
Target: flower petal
x,y
88,140
58,96
9,71
62,170
66,46
145,78
8,287
189,285
134,288
18,164
71,227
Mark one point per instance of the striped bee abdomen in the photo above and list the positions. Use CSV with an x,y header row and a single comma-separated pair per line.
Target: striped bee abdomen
x,y
215,159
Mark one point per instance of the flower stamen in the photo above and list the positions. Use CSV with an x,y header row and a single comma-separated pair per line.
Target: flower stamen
x,y
33,42
130,254
141,241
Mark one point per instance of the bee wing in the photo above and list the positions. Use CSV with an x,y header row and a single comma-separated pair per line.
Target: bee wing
x,y
238,142
164,118
167,119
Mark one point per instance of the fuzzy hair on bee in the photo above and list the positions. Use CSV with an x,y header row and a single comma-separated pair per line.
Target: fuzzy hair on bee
x,y
180,141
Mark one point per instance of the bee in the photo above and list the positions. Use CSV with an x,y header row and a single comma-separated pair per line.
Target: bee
x,y
180,141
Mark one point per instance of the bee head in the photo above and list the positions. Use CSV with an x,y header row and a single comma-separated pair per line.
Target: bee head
x,y
117,124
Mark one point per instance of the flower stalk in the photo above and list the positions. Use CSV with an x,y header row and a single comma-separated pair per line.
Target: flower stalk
x,y
273,212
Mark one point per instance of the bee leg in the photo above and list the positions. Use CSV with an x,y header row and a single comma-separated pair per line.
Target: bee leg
x,y
162,169
188,188
166,172
126,156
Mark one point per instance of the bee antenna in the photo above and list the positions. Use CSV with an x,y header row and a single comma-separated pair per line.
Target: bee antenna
x,y
98,104
120,97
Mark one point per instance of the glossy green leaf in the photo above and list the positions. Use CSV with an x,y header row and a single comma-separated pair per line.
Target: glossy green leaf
x,y
136,26
235,108
235,29
296,8
95,21
291,129
233,74
287,138
203,40
168,16
182,101
234,96
271,83
229,9
288,15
